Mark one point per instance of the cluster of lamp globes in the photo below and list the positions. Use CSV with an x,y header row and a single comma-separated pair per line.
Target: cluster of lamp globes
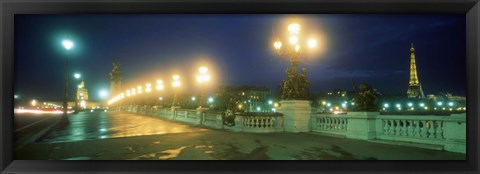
x,y
202,77
294,30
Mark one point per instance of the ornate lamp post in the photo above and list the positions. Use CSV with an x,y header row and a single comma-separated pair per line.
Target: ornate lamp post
x,y
295,86
159,88
67,44
202,78
175,84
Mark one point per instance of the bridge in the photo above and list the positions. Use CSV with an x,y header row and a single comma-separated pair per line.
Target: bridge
x,y
155,133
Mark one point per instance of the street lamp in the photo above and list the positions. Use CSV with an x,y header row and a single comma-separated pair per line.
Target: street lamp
x,y
202,78
77,76
175,84
295,86
159,87
67,44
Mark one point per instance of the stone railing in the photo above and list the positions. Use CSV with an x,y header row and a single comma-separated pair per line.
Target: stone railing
x,y
438,130
212,119
187,116
259,122
447,131
328,123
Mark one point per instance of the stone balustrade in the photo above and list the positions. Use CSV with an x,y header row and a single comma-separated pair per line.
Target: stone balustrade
x,y
447,131
259,122
331,124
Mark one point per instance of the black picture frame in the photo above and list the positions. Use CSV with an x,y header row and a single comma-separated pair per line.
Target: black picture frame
x,y
8,8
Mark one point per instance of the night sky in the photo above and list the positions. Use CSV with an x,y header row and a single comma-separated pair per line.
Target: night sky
x,y
239,51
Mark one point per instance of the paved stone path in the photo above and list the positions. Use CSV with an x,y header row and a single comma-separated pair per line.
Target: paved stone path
x,y
190,142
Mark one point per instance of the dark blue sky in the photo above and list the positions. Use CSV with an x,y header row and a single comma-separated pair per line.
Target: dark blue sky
x,y
238,48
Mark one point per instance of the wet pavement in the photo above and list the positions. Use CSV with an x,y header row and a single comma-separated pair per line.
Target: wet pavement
x,y
164,140
103,125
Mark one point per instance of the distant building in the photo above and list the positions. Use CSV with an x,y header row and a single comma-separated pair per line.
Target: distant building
x,y
82,96
246,98
115,80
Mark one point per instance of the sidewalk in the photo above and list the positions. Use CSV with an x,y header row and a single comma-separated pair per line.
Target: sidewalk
x,y
225,145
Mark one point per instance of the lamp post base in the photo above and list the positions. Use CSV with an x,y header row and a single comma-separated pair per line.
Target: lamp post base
x,y
296,115
64,121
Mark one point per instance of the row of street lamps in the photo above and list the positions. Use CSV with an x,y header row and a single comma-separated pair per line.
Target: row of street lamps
x,y
202,78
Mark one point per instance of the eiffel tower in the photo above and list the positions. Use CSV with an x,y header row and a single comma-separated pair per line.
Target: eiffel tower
x,y
414,86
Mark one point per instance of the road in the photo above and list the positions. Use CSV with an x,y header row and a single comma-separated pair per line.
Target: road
x,y
28,127
102,125
124,136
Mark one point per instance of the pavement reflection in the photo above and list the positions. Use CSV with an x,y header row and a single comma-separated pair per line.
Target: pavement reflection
x,y
102,125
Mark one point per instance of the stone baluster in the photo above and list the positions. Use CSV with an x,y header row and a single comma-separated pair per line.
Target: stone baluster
x,y
272,125
416,130
439,130
424,129
324,123
385,127
403,128
410,128
262,123
431,130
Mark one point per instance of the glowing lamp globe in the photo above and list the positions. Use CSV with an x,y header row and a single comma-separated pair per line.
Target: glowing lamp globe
x,y
67,44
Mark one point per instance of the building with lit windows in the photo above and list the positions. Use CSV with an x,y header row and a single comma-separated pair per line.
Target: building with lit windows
x,y
246,98
82,96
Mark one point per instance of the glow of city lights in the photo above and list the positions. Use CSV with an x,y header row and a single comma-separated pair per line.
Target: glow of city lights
x,y
203,70
176,81
210,99
103,93
159,85
160,98
328,104
344,105
398,105
275,105
148,87
450,103
139,89
67,44
422,104
34,102
277,45
410,104
15,96
294,28
293,40
439,103
386,105
133,91
193,98
270,102
239,106
79,86
312,43
258,108
77,75
297,48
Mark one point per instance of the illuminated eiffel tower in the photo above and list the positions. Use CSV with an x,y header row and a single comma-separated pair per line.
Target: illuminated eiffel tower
x,y
414,86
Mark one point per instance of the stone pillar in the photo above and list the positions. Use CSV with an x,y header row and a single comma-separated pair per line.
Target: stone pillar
x,y
201,114
296,115
455,132
362,125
